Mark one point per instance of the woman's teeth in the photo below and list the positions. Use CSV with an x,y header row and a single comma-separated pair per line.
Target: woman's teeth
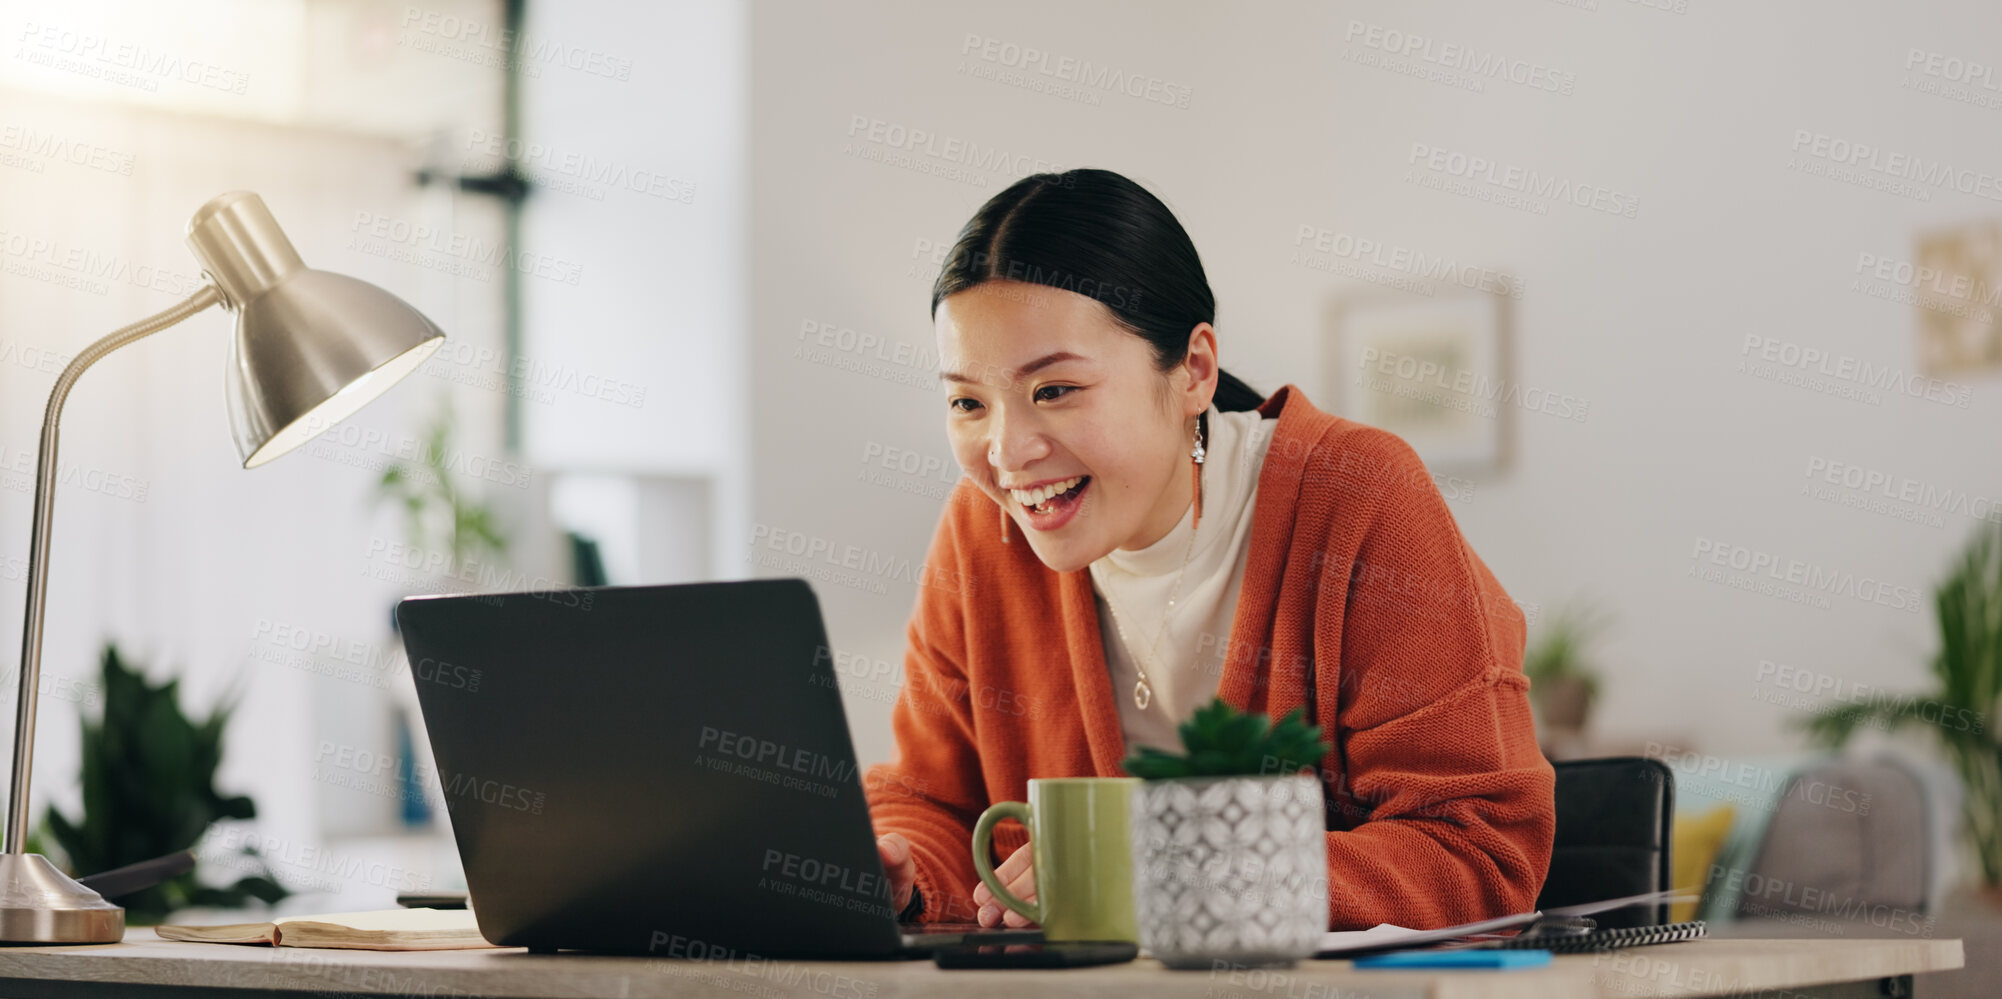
x,y
1033,498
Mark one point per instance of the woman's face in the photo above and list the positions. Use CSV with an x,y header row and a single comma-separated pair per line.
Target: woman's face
x,y
1043,387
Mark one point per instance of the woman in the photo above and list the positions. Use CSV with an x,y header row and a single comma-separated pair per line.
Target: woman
x,y
1137,531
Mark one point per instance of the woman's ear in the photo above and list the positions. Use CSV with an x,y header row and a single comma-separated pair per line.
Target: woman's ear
x,y
1202,367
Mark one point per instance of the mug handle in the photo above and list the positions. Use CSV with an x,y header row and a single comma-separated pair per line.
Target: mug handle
x,y
983,835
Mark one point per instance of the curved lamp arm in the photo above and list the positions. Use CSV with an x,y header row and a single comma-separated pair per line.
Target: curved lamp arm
x,y
38,550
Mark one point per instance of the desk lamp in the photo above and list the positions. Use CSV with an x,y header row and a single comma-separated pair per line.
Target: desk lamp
x,y
310,348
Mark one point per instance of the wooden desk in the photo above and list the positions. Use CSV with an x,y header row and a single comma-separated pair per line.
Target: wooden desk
x,y
145,965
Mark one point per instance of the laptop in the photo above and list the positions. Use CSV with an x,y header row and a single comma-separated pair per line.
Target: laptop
x,y
658,770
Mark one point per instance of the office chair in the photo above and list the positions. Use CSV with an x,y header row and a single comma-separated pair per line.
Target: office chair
x,y
1848,839
1614,817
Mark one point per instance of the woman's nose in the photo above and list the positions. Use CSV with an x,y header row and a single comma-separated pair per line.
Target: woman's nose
x,y
1014,444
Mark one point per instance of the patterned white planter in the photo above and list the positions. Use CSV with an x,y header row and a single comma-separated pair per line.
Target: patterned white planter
x,y
1230,869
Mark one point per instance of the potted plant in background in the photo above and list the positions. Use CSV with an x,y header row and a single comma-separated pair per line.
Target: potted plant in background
x,y
1562,682
1229,846
1962,709
438,517
149,791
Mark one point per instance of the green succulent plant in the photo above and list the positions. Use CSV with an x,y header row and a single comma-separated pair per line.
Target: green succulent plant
x,y
1221,741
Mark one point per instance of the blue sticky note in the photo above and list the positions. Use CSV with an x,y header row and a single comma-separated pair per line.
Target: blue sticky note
x,y
1457,959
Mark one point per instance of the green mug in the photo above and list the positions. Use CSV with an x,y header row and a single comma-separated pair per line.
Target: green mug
x,y
1082,849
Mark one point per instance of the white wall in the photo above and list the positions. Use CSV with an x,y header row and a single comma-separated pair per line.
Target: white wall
x,y
639,162
1691,109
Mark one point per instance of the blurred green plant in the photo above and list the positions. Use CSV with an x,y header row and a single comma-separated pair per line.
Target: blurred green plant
x,y
148,791
438,517
1960,709
1221,741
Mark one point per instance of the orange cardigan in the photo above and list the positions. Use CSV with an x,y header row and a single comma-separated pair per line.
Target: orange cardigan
x,y
1440,805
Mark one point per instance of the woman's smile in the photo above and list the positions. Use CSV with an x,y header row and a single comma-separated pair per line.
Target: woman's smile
x,y
1056,509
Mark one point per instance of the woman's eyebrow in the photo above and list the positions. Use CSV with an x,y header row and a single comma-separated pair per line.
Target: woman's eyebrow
x,y
1027,369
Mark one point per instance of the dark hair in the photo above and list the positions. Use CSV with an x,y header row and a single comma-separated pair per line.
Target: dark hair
x,y
1096,233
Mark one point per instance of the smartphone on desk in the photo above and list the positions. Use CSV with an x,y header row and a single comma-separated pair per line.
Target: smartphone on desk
x,y
1036,955
432,900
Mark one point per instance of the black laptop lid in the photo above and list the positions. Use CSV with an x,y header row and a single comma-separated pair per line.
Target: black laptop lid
x,y
653,769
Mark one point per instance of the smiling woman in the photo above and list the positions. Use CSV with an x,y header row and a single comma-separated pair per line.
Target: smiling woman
x,y
1188,538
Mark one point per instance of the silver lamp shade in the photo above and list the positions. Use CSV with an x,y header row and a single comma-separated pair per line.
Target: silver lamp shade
x,y
311,347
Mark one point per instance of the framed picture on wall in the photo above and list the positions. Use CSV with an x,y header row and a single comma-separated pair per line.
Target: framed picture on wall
x,y
1959,271
1434,371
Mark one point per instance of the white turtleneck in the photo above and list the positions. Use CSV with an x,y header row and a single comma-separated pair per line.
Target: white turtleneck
x,y
1186,666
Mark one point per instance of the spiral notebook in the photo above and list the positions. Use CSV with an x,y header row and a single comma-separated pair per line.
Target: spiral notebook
x,y
1596,940
1564,928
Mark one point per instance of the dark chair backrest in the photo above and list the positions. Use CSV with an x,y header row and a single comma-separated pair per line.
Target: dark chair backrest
x,y
1614,817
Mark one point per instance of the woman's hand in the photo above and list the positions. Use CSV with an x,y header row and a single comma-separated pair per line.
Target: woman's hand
x,y
1020,877
899,867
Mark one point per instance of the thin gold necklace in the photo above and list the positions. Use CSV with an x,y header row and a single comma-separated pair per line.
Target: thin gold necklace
x,y
1143,693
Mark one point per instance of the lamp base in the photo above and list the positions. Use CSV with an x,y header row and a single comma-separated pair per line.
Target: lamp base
x,y
42,905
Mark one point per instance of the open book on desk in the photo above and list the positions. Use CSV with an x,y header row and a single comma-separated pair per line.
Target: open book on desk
x,y
387,929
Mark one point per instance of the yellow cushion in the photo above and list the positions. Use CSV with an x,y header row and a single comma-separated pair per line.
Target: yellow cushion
x,y
1693,847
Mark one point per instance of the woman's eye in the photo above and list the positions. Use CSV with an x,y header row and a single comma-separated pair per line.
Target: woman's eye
x,y
954,403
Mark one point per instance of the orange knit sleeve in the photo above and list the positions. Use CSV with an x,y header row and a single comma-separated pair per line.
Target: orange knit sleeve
x,y
932,791
1442,804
